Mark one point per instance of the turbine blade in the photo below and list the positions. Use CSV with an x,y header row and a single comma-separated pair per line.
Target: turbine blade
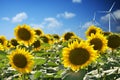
x,y
109,23
113,17
103,11
94,16
97,23
112,7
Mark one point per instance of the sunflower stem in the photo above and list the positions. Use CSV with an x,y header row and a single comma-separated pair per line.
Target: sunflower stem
x,y
112,53
23,76
98,67
113,56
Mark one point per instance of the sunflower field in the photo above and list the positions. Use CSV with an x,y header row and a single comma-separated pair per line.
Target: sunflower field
x,y
34,55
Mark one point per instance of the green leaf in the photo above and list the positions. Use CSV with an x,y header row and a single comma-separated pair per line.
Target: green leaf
x,y
2,55
38,54
75,75
37,74
40,61
52,64
48,77
65,44
3,63
59,74
45,45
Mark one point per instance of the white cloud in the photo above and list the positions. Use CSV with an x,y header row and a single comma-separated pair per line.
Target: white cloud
x,y
76,1
117,14
19,17
118,28
48,23
6,18
37,26
105,18
51,22
66,15
87,24
67,30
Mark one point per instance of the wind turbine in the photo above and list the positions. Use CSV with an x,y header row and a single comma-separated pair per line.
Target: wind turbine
x,y
109,13
94,22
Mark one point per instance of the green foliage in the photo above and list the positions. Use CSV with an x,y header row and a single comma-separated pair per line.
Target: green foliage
x,y
39,61
48,65
37,75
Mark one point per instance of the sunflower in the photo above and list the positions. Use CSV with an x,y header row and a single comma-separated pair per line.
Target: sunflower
x,y
37,45
3,40
38,32
25,34
113,41
1,47
45,39
75,38
99,42
68,35
14,42
107,33
78,55
93,30
21,60
56,36
8,46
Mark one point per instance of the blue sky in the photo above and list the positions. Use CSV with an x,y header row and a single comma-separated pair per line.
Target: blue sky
x,y
57,16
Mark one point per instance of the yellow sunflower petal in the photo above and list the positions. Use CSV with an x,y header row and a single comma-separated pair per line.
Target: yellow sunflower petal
x,y
78,57
21,60
24,34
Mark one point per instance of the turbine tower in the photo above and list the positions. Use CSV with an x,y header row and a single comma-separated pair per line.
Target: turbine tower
x,y
109,13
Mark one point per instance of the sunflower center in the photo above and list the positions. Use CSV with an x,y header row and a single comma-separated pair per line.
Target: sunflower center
x,y
45,39
14,42
20,60
97,43
1,41
92,31
79,56
24,34
113,41
68,36
36,44
38,32
106,33
56,37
